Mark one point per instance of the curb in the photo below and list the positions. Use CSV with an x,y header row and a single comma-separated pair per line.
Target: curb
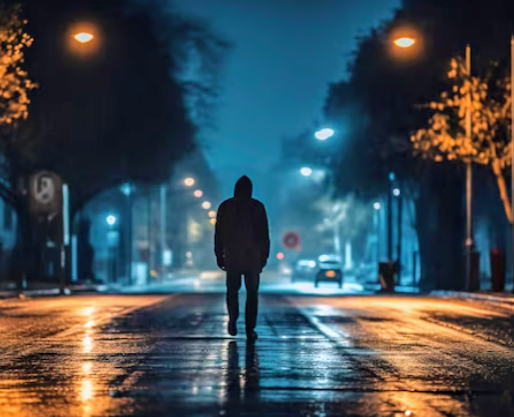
x,y
501,298
49,292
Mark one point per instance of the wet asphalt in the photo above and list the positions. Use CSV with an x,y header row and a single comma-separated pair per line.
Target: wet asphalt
x,y
170,355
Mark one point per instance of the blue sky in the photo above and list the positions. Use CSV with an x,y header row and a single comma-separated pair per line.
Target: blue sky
x,y
285,54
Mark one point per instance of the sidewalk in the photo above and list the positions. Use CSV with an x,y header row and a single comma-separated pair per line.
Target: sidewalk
x,y
501,298
50,290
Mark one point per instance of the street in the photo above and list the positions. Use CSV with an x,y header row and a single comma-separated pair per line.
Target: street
x,y
170,355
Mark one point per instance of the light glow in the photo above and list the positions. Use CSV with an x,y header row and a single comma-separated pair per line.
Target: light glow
x,y
111,220
84,37
324,134
405,42
306,171
189,182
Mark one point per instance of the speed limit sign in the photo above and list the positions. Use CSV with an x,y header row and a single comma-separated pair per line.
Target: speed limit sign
x,y
46,193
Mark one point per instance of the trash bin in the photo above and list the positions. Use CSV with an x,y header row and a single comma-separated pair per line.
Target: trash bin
x,y
498,263
386,273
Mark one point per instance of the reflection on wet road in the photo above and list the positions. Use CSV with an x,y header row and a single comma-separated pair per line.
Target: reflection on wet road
x,y
328,356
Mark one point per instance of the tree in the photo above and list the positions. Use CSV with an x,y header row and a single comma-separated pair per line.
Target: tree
x,y
15,86
489,144
385,92
14,81
119,112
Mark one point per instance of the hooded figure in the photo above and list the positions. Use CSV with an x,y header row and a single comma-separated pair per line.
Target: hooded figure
x,y
241,245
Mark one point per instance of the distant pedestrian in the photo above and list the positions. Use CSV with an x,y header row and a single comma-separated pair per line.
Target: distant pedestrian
x,y
241,245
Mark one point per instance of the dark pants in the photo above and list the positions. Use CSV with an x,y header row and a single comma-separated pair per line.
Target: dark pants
x,y
252,303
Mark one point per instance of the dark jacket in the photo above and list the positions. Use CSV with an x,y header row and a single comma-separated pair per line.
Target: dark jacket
x,y
241,240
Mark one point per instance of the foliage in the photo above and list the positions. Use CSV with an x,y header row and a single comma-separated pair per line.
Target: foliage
x,y
14,81
488,100
118,113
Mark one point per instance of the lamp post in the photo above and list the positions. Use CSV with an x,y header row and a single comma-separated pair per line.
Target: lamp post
x,y
398,194
407,42
112,242
392,177
469,179
376,220
512,140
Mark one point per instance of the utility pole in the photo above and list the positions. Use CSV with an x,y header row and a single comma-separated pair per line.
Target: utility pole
x,y
390,218
164,190
65,237
512,141
150,234
130,245
399,244
469,178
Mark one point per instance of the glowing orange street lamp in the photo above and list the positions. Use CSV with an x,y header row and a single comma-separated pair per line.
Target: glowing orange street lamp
x,y
405,42
84,37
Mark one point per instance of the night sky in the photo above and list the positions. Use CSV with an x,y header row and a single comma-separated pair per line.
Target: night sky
x,y
284,56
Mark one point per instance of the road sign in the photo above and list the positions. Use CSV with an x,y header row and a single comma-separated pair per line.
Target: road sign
x,y
46,193
291,240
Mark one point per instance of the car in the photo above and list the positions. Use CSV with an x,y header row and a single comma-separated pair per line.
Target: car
x,y
330,269
303,269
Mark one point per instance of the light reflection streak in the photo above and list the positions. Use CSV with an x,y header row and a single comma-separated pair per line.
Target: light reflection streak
x,y
89,324
88,311
88,344
86,367
87,390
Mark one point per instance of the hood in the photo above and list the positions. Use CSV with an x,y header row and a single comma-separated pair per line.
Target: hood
x,y
243,188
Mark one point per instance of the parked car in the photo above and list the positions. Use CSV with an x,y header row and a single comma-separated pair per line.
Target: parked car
x,y
330,269
303,269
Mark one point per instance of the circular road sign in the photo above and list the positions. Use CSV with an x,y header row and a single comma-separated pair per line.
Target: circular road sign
x,y
291,240
46,193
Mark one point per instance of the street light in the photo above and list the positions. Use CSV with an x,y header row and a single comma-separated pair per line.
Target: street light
x,y
84,37
404,42
407,42
306,171
324,134
212,214
111,220
206,205
198,193
213,221
189,182
377,206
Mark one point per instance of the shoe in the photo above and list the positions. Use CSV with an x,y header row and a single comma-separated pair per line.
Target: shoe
x,y
252,335
232,328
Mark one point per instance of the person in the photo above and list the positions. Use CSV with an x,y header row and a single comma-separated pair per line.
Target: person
x,y
241,246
